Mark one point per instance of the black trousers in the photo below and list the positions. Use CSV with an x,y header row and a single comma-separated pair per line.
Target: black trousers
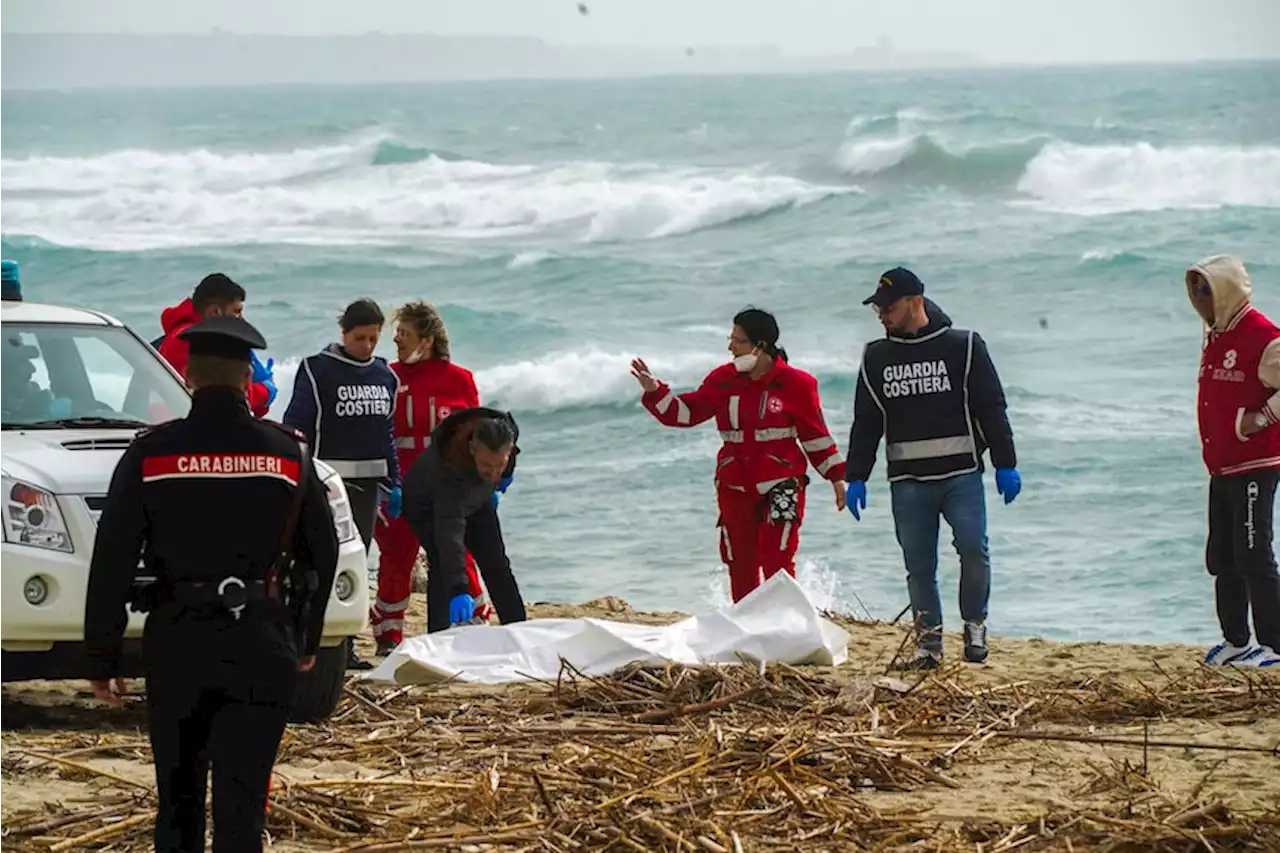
x,y
1239,555
484,540
363,494
218,693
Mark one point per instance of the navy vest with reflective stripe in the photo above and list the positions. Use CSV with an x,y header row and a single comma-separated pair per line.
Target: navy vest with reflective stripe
x,y
354,404
921,386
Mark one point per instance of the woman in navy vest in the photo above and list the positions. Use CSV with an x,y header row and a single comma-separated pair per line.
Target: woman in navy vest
x,y
344,402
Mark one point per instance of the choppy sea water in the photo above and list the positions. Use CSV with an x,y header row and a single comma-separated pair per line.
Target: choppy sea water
x,y
566,227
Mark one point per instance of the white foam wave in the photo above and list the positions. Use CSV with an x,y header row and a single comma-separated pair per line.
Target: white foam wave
x,y
872,156
592,376
577,378
1101,179
528,259
583,377
1100,255
136,200
820,582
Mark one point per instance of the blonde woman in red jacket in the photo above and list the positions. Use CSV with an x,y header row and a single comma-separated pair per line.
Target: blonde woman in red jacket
x,y
431,388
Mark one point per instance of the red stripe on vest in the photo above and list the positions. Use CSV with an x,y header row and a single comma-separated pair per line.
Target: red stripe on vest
x,y
182,466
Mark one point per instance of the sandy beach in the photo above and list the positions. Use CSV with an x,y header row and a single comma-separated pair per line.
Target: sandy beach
x,y
1050,746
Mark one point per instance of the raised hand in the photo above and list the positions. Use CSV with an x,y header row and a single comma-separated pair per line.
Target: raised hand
x,y
640,371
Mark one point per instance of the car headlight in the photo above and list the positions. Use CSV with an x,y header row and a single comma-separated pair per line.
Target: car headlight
x,y
343,519
32,517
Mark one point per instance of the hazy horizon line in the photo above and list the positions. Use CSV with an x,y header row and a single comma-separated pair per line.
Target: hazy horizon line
x,y
889,47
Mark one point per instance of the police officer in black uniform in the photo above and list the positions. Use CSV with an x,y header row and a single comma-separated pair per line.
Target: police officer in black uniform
x,y
228,514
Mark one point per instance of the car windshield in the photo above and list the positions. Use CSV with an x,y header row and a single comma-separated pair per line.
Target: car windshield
x,y
64,376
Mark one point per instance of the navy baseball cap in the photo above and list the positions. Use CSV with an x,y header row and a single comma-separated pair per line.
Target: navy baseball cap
x,y
895,284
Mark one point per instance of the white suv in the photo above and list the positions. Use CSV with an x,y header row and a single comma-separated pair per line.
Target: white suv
x,y
77,387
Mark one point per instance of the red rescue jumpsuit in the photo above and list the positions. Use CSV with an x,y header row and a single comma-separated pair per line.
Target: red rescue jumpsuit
x,y
430,391
768,426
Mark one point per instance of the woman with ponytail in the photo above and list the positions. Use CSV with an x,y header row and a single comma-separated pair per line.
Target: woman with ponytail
x,y
770,419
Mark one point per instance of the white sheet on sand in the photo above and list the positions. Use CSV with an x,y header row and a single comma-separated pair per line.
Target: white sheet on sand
x,y
776,622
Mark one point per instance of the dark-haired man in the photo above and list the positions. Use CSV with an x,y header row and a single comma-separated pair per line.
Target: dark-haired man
x,y
448,503
932,392
215,296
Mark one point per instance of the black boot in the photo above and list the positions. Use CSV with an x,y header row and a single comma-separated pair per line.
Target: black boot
x,y
354,661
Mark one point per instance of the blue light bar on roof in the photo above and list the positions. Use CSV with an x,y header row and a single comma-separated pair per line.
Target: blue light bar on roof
x,y
12,283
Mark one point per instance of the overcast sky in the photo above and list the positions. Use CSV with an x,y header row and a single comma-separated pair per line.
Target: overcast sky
x,y
995,30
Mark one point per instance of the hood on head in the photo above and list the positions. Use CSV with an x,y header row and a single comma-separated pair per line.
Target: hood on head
x,y
937,317
176,317
938,321
1229,281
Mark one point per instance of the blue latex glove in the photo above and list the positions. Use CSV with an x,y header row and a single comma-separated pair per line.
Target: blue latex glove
x,y
263,375
503,484
395,502
262,372
60,408
1008,483
461,609
855,497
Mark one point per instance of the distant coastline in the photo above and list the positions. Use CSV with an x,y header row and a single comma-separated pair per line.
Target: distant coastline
x,y
225,59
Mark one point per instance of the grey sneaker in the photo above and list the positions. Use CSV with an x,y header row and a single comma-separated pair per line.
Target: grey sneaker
x,y
924,659
975,642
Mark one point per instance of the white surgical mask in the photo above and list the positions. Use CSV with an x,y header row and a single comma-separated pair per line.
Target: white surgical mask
x,y
746,363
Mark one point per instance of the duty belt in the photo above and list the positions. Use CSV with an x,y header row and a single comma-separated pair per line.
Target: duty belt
x,y
230,594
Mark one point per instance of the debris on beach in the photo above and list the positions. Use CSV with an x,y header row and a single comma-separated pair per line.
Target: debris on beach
x,y
715,759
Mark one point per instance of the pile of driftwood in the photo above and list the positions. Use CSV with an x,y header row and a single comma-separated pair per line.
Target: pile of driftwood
x,y
690,759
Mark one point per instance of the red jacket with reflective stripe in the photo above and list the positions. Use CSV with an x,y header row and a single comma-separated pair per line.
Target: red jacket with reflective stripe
x,y
769,425
430,391
1229,387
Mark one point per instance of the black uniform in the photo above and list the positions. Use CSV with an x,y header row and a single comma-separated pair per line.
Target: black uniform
x,y
201,500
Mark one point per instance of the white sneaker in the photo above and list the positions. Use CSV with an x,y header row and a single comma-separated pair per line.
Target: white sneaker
x,y
1261,656
1225,654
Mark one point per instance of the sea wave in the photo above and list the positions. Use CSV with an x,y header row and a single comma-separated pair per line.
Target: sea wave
x,y
1102,179
913,147
584,377
372,190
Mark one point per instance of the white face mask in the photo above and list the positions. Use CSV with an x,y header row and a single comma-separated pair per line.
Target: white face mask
x,y
746,363
415,356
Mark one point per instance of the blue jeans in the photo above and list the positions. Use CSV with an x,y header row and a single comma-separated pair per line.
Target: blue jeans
x,y
917,507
